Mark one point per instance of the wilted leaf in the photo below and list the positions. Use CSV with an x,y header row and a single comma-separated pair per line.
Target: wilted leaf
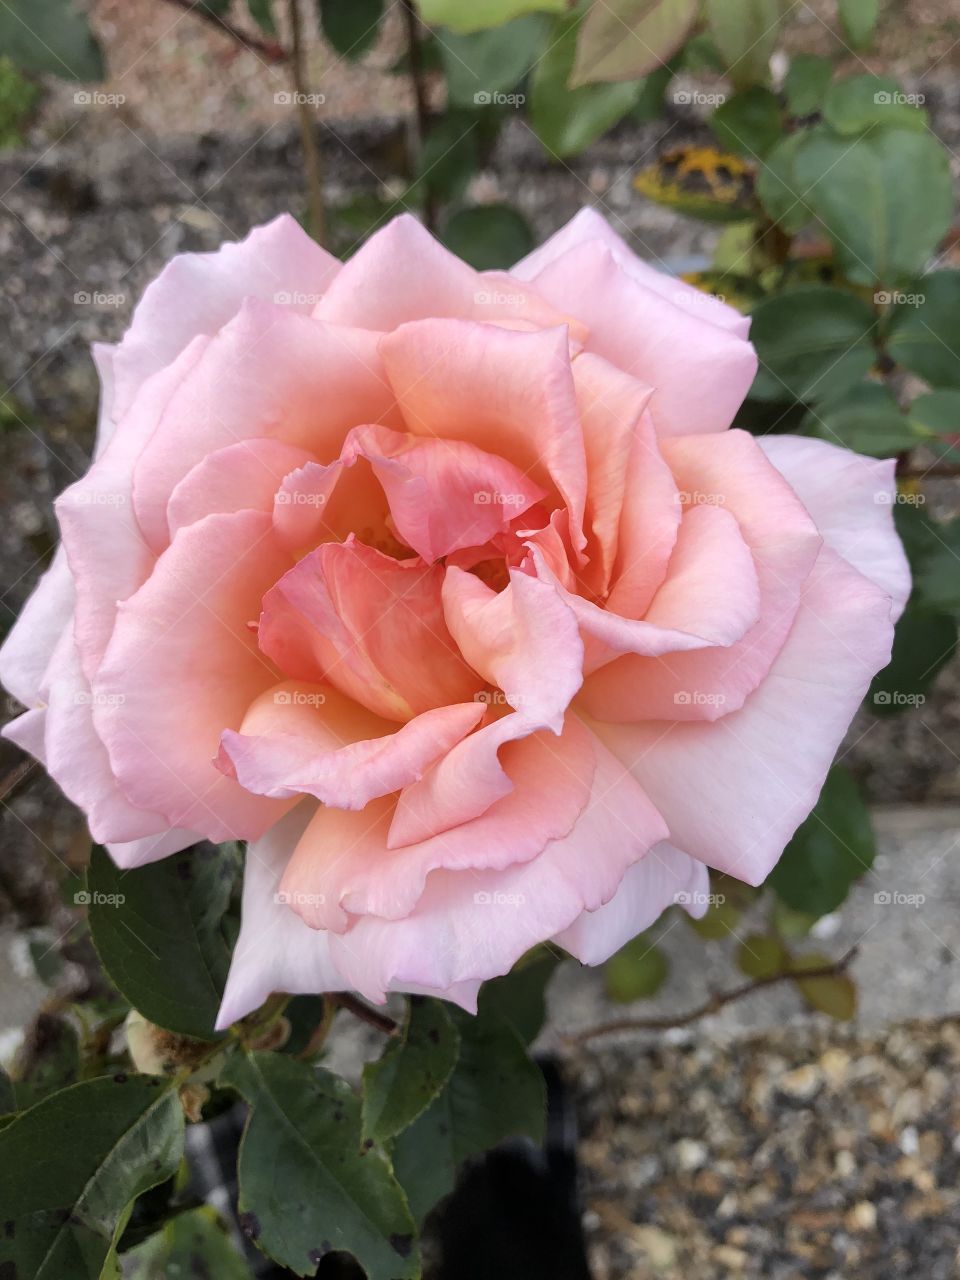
x,y
702,182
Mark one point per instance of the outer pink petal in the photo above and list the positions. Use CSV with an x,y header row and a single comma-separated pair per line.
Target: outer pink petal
x,y
28,648
700,371
370,625
851,500
276,951
183,665
245,475
197,293
104,544
589,226
286,749
476,924
402,273
151,848
734,791
731,472
268,373
664,878
342,865
519,389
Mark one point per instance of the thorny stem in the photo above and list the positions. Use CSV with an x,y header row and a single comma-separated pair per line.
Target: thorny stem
x,y
269,50
421,118
716,1002
382,1022
308,141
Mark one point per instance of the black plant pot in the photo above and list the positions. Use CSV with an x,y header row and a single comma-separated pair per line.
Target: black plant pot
x,y
514,1215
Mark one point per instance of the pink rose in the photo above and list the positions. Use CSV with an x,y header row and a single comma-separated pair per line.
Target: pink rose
x,y
453,594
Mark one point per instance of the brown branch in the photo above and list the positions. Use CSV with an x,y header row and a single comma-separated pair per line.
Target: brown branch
x,y
716,1002
373,1018
936,469
308,141
421,117
269,50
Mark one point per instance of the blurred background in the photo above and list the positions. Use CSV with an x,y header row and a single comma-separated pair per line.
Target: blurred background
x,y
753,147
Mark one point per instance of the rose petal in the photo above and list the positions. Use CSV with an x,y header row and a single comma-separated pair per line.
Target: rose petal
x,y
27,650
756,774
666,877
370,625
237,477
197,293
182,666
851,499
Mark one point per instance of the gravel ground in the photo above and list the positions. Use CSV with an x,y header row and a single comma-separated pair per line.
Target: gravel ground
x,y
803,1153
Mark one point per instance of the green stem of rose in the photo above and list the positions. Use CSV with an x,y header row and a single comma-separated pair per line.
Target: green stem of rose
x,y
311,152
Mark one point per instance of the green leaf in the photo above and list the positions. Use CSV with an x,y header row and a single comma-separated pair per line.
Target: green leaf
x,y
933,549
806,83
192,1244
519,997
636,972
761,955
865,418
488,236
835,994
71,1166
262,14
861,103
924,641
50,36
351,26
450,156
626,39
778,189
749,122
479,15
866,194
649,104
745,32
791,924
924,327
495,1092
859,18
8,1101
937,413
308,1185
410,1072
567,120
481,66
719,920
831,849
813,342
157,933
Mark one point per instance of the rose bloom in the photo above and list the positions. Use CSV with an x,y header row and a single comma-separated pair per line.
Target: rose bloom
x,y
455,596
